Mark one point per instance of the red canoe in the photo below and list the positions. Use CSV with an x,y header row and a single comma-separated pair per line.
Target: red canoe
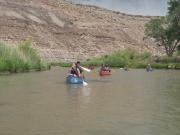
x,y
104,72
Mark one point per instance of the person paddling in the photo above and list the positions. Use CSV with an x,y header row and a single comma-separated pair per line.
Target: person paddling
x,y
76,70
107,68
73,69
79,70
102,67
148,68
126,67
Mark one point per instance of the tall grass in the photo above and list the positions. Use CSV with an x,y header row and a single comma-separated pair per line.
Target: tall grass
x,y
20,58
135,60
120,59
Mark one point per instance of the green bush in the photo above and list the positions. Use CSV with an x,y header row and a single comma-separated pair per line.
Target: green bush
x,y
177,66
120,59
159,65
20,58
174,59
3,65
132,59
63,64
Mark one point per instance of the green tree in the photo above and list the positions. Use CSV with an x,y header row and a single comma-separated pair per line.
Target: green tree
x,y
166,30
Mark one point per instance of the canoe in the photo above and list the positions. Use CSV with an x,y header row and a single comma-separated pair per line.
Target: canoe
x,y
104,73
71,79
149,70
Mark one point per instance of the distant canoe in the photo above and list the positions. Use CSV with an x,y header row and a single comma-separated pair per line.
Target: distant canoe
x,y
104,73
71,79
149,69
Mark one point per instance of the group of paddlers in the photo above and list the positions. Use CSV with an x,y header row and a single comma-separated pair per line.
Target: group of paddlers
x,y
105,67
148,67
76,69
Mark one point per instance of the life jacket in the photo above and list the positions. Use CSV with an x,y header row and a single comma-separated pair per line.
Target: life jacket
x,y
76,70
73,71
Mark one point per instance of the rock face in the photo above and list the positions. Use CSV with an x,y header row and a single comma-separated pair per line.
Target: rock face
x,y
63,31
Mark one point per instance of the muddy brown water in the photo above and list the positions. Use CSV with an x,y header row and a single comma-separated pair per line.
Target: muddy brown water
x,y
135,102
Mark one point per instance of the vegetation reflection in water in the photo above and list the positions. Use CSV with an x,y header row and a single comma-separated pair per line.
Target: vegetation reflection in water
x,y
81,92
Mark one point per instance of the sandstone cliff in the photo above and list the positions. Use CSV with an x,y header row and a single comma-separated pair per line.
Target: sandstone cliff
x,y
63,31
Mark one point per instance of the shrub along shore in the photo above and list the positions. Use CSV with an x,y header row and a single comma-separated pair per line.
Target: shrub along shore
x,y
132,59
24,58
20,58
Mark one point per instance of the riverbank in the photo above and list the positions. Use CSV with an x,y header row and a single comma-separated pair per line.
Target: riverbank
x,y
133,59
20,58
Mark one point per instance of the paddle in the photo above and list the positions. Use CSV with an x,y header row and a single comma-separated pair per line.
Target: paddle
x,y
93,71
85,83
86,69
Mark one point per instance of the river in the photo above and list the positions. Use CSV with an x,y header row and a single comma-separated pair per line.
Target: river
x,y
132,102
134,7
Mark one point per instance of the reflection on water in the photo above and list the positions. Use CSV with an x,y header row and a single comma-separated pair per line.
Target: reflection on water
x,y
79,93
135,7
128,103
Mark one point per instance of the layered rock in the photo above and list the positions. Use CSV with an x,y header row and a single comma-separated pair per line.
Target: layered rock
x,y
63,31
